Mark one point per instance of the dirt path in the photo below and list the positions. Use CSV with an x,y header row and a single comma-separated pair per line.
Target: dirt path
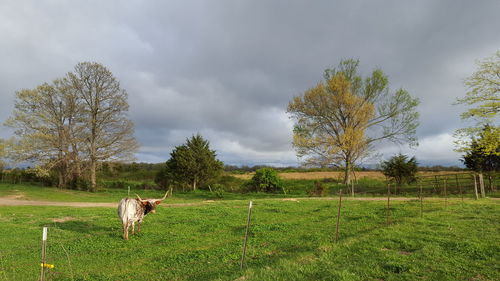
x,y
9,201
4,201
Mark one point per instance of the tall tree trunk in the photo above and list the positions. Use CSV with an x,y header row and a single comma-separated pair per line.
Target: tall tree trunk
x,y
60,180
194,183
347,172
93,152
61,170
93,166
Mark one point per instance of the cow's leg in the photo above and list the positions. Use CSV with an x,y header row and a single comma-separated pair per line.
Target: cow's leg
x,y
139,226
125,230
133,227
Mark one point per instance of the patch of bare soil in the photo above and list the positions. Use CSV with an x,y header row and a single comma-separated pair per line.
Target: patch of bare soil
x,y
64,219
15,196
6,201
291,199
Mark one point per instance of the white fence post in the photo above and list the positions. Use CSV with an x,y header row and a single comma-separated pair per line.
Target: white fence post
x,y
246,235
44,251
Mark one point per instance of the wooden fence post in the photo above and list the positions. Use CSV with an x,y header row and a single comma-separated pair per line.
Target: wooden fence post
x,y
388,203
445,195
421,200
246,236
481,185
459,187
338,217
475,187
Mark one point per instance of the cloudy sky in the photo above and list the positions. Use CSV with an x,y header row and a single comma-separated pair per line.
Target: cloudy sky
x,y
227,69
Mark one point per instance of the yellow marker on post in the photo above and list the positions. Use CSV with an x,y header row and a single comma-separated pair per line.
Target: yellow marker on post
x,y
47,265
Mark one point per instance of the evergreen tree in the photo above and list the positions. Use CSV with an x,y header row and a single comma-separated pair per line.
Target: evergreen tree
x,y
193,163
400,169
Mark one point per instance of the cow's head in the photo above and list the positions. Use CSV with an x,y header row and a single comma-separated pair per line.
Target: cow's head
x,y
150,204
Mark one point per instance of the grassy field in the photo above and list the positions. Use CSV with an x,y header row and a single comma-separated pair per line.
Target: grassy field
x,y
42,193
289,240
338,175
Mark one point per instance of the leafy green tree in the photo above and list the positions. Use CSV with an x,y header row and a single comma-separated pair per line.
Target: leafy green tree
x,y
2,154
483,98
400,169
164,178
265,180
338,121
194,163
479,160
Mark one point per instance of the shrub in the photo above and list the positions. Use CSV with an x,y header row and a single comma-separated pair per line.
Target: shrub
x,y
218,190
230,183
318,189
118,184
400,169
265,180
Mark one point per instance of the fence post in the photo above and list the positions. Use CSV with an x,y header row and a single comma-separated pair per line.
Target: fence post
x,y
481,185
246,236
388,203
421,200
445,195
475,187
459,187
338,217
44,251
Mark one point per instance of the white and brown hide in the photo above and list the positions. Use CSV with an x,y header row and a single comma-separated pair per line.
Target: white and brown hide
x,y
132,210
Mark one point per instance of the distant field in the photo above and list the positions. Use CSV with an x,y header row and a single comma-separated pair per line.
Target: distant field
x,y
335,175
289,240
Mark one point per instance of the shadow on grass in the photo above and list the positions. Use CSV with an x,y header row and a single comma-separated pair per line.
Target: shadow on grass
x,y
82,227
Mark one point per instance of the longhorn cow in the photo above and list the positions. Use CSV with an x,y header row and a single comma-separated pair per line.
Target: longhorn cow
x,y
131,210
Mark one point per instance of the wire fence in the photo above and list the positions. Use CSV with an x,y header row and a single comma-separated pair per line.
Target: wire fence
x,y
453,184
61,250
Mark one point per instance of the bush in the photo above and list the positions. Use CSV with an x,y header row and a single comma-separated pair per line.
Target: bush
x,y
146,185
265,180
118,184
318,190
400,169
230,183
218,190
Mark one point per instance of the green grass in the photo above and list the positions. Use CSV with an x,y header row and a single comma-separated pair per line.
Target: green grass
x,y
288,241
43,193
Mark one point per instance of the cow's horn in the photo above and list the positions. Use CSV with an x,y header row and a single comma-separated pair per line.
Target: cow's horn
x,y
139,197
165,196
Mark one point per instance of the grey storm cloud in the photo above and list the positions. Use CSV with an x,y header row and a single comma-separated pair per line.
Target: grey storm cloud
x,y
227,69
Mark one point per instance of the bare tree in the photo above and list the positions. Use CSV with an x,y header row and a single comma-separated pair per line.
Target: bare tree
x,y
108,133
41,119
73,121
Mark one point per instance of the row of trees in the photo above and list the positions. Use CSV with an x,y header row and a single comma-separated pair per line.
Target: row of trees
x,y
338,121
481,141
72,123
